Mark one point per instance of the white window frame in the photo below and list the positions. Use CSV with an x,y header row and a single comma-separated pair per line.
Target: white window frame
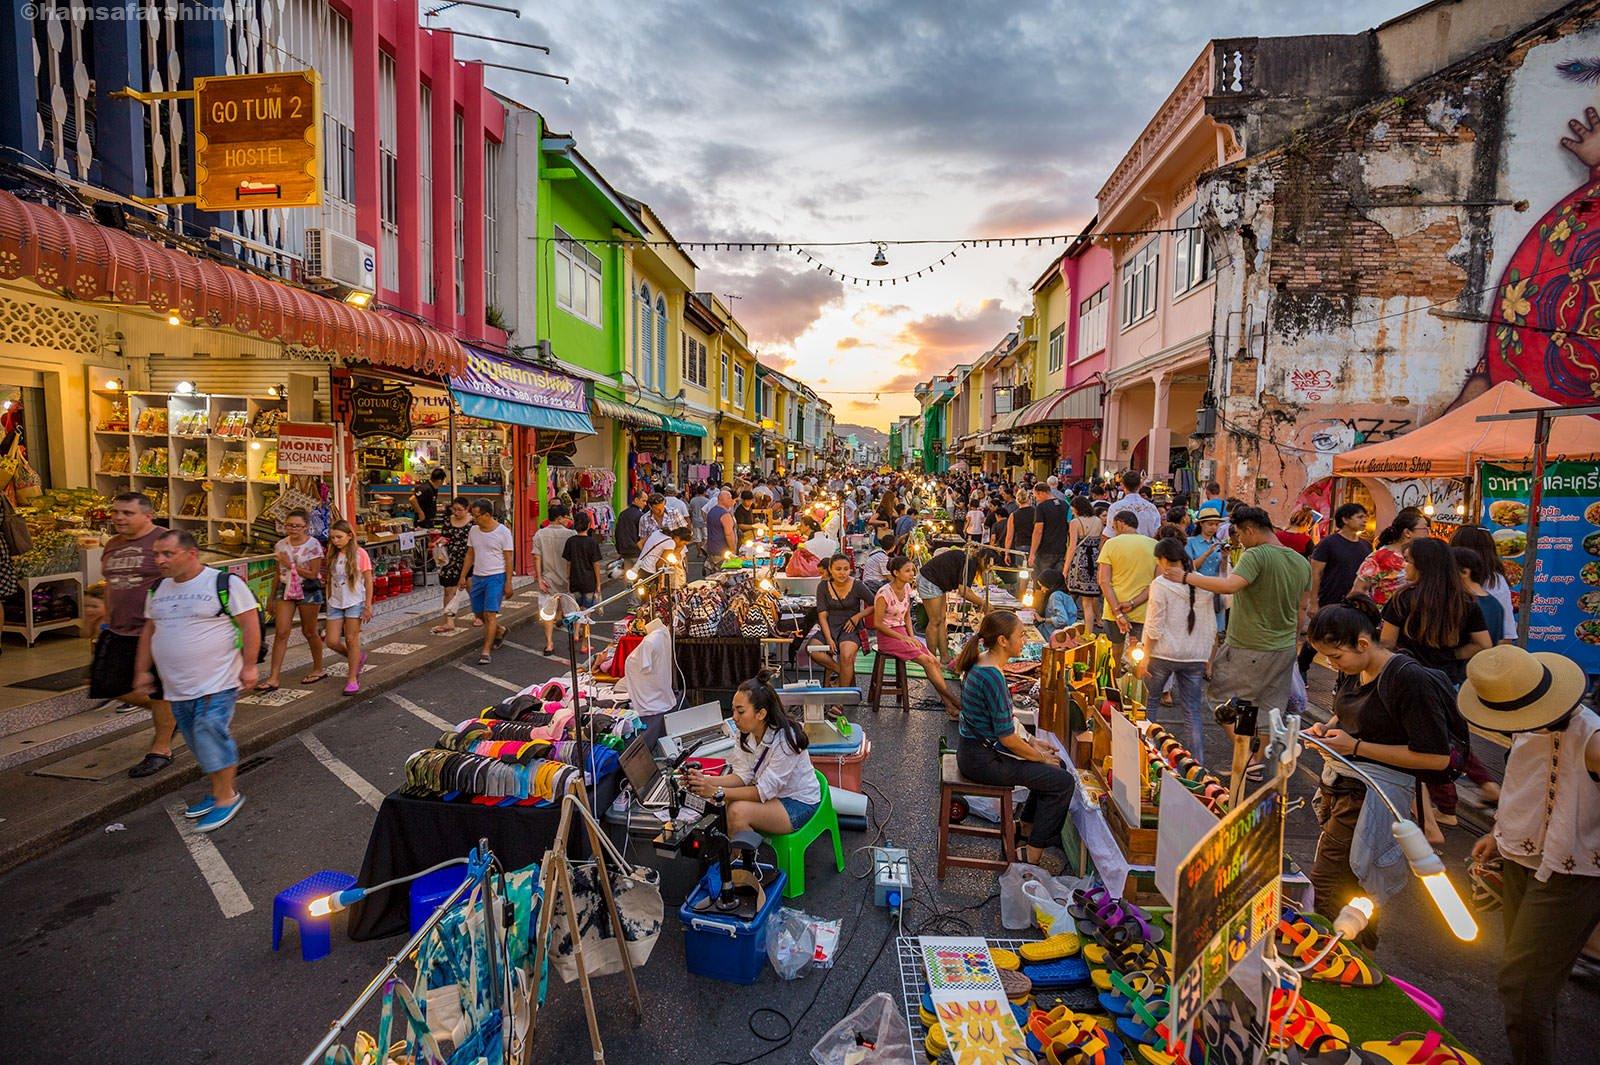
x,y
458,219
725,375
1191,255
661,342
1138,278
1092,315
430,293
388,178
738,387
577,266
491,228
1057,348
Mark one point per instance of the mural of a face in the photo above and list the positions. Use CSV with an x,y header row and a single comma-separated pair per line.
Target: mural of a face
x,y
1544,327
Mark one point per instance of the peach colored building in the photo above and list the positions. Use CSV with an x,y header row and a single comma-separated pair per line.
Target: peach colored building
x,y
1162,289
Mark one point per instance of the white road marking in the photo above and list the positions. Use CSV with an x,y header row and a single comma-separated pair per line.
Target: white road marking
x,y
224,885
529,650
481,675
352,780
412,708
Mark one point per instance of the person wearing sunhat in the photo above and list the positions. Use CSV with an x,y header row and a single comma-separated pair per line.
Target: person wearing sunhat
x,y
1546,830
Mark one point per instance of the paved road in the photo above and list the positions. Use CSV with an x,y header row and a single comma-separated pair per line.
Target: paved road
x,y
118,948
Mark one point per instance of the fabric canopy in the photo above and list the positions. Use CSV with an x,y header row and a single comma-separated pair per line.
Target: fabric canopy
x,y
511,412
1067,404
64,253
683,428
1451,445
627,412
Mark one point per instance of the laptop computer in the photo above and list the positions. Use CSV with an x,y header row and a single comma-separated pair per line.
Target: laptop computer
x,y
645,776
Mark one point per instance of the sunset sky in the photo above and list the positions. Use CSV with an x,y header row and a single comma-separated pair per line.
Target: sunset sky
x,y
868,121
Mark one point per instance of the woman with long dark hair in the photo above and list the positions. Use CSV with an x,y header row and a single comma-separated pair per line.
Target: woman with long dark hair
x,y
1496,584
1383,573
1179,634
1084,534
891,617
770,786
843,605
993,750
1434,618
1389,710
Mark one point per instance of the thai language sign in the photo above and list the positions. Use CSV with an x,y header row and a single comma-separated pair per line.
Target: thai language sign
x,y
1228,895
499,378
258,141
1566,587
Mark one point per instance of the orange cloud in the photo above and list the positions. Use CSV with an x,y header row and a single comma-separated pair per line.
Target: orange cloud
x,y
846,343
940,341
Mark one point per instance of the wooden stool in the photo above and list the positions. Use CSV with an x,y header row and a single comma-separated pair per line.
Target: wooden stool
x,y
879,688
951,784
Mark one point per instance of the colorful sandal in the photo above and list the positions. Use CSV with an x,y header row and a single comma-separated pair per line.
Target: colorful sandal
x,y
1416,1048
1061,945
1004,959
1063,972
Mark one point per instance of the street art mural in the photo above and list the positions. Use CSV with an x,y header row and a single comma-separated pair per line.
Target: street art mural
x,y
1544,320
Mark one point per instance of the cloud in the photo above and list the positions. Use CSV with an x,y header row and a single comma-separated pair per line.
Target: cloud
x,y
781,363
776,302
846,343
1033,215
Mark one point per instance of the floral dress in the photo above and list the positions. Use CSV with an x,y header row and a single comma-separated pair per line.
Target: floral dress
x,y
455,549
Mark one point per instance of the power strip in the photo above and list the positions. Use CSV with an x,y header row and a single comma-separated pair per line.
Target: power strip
x,y
891,877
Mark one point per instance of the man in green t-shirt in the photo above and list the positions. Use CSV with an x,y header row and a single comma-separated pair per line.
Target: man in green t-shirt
x,y
1269,585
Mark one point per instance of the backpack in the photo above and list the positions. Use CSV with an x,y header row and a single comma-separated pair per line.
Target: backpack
x,y
222,611
1455,724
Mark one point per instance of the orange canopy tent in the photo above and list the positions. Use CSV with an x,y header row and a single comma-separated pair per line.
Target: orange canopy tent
x,y
1452,445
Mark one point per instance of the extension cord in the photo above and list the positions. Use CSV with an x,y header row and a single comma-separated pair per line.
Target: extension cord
x,y
891,877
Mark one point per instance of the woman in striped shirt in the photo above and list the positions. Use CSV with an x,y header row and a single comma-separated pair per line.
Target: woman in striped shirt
x,y
994,751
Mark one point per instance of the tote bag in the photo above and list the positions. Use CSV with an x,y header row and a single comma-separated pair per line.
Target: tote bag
x,y
638,894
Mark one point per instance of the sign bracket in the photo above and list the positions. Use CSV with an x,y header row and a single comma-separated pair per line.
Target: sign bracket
x,y
153,97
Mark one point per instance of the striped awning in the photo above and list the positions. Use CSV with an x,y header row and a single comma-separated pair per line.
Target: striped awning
x,y
1082,403
627,413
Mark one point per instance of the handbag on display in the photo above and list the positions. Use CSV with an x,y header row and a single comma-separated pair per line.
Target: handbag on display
x,y
14,534
637,891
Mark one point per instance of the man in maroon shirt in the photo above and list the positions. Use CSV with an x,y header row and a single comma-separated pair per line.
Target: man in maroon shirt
x,y
130,570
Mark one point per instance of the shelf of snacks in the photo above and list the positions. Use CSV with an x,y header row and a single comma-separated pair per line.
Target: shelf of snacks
x,y
208,462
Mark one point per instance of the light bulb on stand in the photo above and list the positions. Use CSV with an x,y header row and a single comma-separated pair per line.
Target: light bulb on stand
x,y
1429,868
632,575
1137,654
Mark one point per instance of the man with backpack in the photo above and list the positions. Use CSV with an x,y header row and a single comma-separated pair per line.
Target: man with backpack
x,y
202,630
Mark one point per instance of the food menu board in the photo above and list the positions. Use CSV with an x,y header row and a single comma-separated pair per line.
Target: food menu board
x,y
1566,588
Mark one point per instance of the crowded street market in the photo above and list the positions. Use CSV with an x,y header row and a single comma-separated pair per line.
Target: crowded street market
x,y
452,615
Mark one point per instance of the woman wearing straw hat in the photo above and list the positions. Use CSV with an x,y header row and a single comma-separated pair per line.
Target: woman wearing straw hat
x,y
1547,830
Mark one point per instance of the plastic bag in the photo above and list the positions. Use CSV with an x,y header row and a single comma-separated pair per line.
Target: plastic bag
x,y
1049,897
884,1038
791,944
1016,908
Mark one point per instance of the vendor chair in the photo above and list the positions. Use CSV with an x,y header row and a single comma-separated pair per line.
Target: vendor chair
x,y
952,784
791,848
881,688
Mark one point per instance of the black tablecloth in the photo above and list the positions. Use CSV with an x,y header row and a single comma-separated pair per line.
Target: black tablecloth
x,y
715,666
412,834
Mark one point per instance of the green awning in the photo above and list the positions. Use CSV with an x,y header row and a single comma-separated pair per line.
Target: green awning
x,y
683,428
627,412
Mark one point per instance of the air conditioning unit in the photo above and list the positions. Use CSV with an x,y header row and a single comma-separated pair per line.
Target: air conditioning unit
x,y
335,258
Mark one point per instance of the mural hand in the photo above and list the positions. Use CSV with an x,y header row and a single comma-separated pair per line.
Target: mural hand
x,y
1585,140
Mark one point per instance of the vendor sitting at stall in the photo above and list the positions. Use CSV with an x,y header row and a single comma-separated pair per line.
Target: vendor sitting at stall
x,y
772,787
994,751
844,606
952,570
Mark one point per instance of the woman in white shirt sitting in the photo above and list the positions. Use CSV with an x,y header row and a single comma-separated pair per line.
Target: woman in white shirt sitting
x,y
771,787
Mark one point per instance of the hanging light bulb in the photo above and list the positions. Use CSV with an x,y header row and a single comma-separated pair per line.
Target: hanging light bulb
x,y
1427,508
880,258
1461,509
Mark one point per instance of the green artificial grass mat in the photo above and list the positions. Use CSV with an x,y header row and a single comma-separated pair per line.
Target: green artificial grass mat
x,y
866,662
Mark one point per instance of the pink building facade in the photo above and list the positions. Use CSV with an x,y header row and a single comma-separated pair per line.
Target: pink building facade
x,y
1086,270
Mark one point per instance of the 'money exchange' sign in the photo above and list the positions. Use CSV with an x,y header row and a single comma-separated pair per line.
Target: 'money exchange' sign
x,y
258,141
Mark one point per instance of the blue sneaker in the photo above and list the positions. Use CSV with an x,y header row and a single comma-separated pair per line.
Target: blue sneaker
x,y
219,816
201,808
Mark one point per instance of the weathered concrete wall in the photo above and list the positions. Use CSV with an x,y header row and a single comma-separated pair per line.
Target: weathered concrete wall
x,y
1360,261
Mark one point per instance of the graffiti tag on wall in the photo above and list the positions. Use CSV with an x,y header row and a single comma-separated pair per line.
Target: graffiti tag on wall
x,y
1336,435
1313,385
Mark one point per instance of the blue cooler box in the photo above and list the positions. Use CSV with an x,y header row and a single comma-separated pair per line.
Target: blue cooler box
x,y
722,946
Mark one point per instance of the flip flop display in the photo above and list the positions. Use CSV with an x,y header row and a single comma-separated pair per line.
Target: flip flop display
x,y
1416,1048
1068,1038
1063,972
1060,945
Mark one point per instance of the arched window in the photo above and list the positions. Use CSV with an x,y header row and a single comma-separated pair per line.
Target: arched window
x,y
661,343
643,362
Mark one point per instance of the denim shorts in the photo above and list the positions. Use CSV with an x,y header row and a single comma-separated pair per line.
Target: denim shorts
x,y
204,724
799,812
486,592
586,599
927,590
352,611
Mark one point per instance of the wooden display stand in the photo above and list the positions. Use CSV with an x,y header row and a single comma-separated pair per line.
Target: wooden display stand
x,y
555,878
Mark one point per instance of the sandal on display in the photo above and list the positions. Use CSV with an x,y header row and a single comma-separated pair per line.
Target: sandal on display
x,y
1004,959
1083,999
1017,985
1061,945
1063,972
1416,1048
1069,1038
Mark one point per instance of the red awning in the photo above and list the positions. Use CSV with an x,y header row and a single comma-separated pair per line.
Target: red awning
x,y
87,261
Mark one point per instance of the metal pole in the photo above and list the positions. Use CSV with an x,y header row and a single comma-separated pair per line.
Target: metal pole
x,y
1530,576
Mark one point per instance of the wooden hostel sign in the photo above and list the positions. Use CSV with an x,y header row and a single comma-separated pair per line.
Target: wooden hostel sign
x,y
258,141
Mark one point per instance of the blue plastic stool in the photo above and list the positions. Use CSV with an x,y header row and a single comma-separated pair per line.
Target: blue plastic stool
x,y
429,892
316,938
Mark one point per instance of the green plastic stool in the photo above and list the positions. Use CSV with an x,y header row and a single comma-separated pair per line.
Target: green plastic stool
x,y
791,848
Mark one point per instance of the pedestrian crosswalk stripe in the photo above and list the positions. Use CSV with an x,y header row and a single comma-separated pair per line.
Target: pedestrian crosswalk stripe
x,y
352,780
412,708
491,678
224,885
